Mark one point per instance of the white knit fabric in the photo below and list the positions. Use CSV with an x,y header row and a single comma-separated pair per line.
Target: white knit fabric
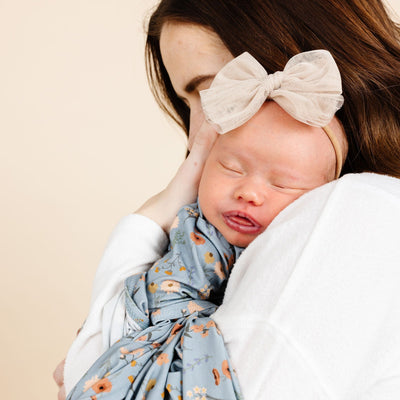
x,y
309,89
312,307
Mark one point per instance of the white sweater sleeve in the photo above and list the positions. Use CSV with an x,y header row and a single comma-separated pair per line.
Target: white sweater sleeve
x,y
312,307
135,244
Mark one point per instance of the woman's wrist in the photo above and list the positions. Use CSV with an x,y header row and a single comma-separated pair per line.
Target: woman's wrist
x,y
163,207
158,210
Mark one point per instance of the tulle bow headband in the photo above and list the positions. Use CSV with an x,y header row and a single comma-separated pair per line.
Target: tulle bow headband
x,y
309,89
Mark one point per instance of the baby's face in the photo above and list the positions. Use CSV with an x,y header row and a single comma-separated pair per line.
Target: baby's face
x,y
256,170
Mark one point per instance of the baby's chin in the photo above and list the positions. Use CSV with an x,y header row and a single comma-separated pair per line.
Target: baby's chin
x,y
242,242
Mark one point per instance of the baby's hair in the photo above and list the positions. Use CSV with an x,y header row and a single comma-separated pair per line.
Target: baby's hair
x,y
359,34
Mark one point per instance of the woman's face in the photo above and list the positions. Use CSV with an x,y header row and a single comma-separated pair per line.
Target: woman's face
x,y
192,56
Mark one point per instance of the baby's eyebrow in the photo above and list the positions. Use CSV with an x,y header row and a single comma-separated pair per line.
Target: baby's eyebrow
x,y
192,85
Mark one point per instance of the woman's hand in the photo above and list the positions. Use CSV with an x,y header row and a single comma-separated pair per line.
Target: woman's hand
x,y
163,207
58,376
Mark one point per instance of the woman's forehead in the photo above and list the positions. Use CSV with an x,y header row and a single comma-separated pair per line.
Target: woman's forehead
x,y
189,51
189,35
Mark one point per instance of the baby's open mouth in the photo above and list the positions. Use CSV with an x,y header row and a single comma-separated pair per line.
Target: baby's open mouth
x,y
241,222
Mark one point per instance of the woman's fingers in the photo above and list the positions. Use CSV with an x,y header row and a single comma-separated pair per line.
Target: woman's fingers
x,y
58,376
58,373
205,136
182,190
61,393
189,173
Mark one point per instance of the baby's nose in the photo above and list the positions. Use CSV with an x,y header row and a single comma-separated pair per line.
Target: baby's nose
x,y
250,192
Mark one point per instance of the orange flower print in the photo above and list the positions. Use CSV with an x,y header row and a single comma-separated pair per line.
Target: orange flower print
x,y
230,260
141,338
103,385
131,379
93,397
197,238
155,345
170,286
225,369
177,327
162,359
205,333
123,350
193,307
156,312
138,352
209,257
197,328
175,223
211,324
204,292
191,212
217,377
152,288
219,270
150,384
89,383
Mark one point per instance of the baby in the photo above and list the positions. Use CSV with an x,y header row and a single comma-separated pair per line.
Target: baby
x,y
258,169
172,347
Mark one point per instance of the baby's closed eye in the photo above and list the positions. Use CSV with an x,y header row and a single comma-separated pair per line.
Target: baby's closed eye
x,y
231,167
288,187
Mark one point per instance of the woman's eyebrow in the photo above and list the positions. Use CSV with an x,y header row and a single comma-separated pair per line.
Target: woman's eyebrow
x,y
196,81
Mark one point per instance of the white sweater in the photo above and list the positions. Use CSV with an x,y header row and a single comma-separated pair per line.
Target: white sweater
x,y
312,307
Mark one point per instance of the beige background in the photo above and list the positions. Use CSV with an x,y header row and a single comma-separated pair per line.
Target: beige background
x,y
82,143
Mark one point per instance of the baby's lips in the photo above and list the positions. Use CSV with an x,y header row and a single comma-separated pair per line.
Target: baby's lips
x,y
242,218
242,223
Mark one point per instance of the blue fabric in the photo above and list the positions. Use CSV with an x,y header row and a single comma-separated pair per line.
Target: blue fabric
x,y
179,352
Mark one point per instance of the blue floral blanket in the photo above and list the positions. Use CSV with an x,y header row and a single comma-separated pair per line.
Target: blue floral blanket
x,y
174,349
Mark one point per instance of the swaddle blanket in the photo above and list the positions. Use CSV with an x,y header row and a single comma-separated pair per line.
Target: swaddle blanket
x,y
174,350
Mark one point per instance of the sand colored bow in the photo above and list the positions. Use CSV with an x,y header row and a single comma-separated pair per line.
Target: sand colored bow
x,y
309,89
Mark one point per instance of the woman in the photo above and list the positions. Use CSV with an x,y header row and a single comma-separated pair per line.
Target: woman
x,y
319,318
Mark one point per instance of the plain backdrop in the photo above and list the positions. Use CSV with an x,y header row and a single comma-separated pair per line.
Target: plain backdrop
x,y
82,143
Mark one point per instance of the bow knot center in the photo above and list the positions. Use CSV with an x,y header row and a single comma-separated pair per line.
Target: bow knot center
x,y
273,82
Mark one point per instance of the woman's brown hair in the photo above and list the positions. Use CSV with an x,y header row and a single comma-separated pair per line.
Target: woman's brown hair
x,y
359,33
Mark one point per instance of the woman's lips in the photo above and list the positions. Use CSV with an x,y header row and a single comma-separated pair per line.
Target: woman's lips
x,y
241,222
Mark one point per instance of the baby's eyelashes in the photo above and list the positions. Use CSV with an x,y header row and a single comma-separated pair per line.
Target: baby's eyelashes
x,y
287,188
235,169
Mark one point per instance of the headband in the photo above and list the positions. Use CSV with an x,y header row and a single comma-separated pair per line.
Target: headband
x,y
309,89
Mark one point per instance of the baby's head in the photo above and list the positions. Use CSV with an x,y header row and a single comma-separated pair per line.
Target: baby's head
x,y
254,171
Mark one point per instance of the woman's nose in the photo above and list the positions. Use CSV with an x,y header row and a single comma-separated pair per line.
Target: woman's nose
x,y
250,192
